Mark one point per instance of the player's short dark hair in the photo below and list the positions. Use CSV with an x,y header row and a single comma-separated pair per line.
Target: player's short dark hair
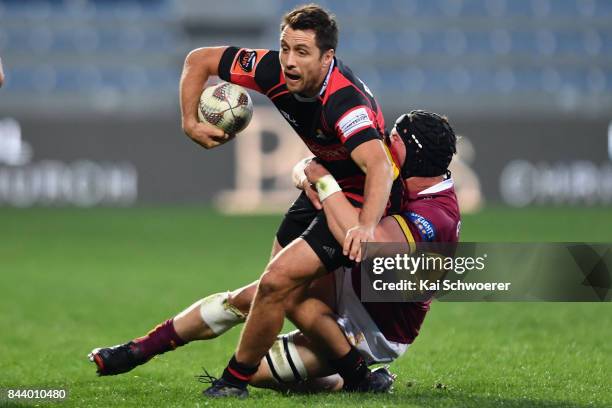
x,y
430,143
316,18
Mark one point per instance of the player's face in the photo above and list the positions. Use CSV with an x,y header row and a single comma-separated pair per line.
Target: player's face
x,y
304,67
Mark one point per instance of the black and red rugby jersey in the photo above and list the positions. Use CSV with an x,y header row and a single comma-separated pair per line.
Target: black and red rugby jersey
x,y
344,115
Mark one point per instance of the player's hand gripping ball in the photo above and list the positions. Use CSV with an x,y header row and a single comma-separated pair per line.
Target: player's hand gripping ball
x,y
226,106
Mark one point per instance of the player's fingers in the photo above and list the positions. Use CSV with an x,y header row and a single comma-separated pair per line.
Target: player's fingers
x,y
316,202
362,242
355,249
358,256
308,174
364,239
314,198
214,131
355,244
222,138
210,143
346,246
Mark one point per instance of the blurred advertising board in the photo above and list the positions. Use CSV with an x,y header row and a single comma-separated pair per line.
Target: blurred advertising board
x,y
109,161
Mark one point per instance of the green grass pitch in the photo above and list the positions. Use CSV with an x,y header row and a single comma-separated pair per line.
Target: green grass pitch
x,y
76,279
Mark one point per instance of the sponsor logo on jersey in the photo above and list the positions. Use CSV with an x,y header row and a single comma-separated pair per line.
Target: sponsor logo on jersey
x,y
426,229
353,121
289,118
247,60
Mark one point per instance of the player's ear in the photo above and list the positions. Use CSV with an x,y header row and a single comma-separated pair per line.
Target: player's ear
x,y
327,57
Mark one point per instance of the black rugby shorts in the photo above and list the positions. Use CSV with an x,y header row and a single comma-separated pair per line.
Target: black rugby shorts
x,y
303,220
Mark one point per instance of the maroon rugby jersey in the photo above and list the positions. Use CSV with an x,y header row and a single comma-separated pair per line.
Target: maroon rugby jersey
x,y
332,124
431,215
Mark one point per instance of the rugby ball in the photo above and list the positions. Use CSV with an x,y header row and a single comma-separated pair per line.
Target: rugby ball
x,y
226,106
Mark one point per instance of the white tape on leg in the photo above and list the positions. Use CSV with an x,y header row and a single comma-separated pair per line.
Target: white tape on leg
x,y
295,355
218,314
285,362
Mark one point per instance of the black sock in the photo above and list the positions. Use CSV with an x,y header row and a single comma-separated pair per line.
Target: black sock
x,y
352,368
238,374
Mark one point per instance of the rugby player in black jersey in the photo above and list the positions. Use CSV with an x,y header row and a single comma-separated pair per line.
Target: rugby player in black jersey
x,y
338,118
423,144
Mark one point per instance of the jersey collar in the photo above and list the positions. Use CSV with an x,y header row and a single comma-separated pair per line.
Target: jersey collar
x,y
436,188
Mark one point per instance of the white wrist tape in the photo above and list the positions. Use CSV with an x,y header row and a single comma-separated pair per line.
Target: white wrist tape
x,y
326,186
218,314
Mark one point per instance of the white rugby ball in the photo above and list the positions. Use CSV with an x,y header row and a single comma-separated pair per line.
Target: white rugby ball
x,y
226,106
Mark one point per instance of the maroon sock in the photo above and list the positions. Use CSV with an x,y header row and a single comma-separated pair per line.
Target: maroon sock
x,y
159,340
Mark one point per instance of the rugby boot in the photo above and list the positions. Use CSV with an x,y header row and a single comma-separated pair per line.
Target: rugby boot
x,y
220,388
117,359
378,381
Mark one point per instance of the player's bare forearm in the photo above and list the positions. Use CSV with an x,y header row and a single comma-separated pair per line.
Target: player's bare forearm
x,y
340,214
199,65
373,159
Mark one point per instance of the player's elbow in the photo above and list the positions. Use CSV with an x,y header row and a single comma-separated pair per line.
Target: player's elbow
x,y
196,56
205,58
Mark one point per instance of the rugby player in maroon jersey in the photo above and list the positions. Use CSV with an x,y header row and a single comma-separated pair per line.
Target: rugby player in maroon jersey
x,y
423,144
337,117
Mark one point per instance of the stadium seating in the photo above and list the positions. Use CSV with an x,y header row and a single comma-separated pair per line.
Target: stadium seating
x,y
431,50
